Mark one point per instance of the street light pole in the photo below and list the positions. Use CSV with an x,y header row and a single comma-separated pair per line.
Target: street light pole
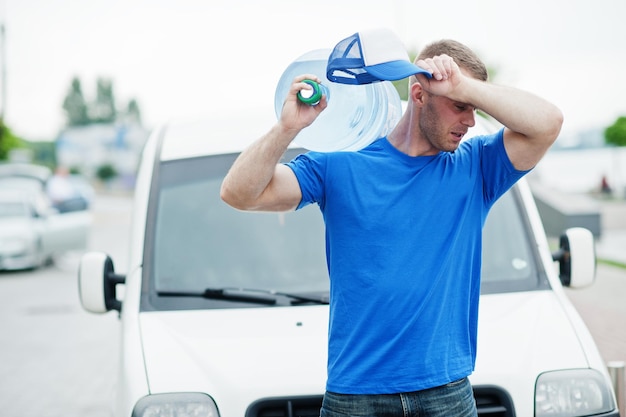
x,y
3,69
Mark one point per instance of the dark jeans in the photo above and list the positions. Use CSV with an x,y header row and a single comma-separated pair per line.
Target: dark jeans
x,y
455,399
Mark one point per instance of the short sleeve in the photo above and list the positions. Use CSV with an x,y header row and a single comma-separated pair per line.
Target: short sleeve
x,y
309,170
498,171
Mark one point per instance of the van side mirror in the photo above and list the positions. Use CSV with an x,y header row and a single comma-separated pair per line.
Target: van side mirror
x,y
577,258
97,283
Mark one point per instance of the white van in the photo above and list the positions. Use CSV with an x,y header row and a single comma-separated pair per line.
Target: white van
x,y
225,313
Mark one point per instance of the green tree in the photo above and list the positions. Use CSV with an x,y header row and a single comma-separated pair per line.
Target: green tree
x,y
8,141
616,133
103,109
133,113
106,172
75,106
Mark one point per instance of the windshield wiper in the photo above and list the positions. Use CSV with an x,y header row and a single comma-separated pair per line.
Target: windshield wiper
x,y
266,297
303,299
227,294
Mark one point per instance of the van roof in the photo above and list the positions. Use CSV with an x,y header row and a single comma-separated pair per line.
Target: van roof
x,y
229,132
232,131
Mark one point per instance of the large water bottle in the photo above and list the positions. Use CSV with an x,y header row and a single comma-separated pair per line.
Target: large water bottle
x,y
356,114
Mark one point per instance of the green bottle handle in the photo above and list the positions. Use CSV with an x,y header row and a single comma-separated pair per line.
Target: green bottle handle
x,y
311,97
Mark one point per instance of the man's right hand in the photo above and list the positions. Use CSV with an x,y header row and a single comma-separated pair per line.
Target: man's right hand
x,y
257,181
296,115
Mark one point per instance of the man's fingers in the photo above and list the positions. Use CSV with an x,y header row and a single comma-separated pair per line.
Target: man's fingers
x,y
440,66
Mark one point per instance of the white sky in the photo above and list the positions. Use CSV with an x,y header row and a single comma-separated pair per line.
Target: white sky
x,y
181,58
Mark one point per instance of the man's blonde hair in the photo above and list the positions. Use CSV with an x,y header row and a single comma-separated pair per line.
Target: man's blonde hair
x,y
464,57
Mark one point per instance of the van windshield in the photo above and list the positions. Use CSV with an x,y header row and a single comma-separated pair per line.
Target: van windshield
x,y
197,241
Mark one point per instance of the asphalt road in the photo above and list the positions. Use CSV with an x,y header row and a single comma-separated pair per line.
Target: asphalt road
x,y
56,360
603,308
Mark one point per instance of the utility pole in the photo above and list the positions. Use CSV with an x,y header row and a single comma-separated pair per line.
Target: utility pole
x,y
3,70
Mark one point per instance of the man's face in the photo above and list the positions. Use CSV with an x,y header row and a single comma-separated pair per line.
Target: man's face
x,y
444,122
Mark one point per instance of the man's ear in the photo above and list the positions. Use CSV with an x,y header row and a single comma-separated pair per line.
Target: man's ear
x,y
417,93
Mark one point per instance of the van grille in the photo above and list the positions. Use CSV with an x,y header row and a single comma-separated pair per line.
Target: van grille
x,y
490,401
286,407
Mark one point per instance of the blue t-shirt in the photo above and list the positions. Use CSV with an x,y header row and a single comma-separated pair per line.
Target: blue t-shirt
x,y
403,247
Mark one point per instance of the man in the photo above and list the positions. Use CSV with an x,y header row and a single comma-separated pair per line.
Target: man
x,y
61,191
404,221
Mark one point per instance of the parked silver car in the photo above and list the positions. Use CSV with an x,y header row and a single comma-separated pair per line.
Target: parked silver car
x,y
38,179
32,232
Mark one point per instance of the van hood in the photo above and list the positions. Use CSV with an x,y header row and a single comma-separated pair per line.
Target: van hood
x,y
521,335
238,356
252,353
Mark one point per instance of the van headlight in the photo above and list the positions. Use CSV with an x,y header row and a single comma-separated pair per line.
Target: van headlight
x,y
186,404
574,392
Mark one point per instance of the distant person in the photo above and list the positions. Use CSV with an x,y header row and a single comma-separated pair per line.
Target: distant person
x,y
61,191
404,220
605,188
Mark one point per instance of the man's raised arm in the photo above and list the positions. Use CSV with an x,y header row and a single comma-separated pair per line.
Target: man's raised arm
x,y
531,123
257,181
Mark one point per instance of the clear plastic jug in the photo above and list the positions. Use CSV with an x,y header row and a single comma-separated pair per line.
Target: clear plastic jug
x,y
356,114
